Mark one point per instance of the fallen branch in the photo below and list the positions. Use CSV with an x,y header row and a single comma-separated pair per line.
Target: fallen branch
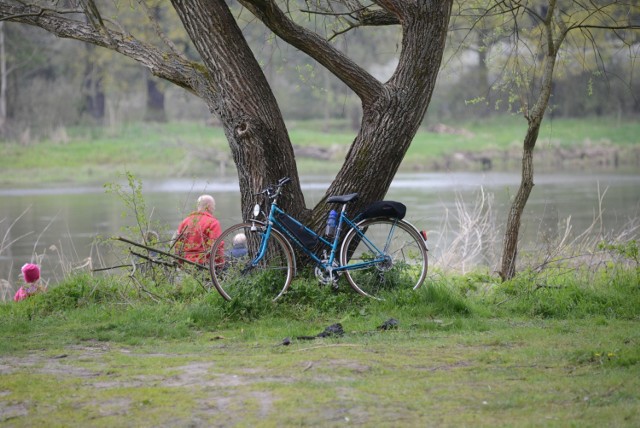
x,y
164,253
151,259
111,267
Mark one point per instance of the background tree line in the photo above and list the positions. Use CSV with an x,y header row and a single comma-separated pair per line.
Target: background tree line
x,y
52,83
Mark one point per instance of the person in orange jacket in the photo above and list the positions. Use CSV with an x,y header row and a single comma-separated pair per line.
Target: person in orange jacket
x,y
198,231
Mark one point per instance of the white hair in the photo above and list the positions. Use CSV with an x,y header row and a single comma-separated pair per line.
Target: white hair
x,y
239,239
206,203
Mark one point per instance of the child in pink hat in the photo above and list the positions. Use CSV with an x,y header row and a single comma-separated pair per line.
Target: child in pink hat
x,y
31,275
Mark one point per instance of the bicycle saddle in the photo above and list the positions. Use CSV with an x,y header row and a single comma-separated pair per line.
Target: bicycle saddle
x,y
342,199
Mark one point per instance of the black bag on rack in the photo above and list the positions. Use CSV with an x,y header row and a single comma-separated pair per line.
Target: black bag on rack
x,y
384,209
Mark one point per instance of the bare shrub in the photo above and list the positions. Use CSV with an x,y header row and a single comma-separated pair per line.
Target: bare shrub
x,y
583,249
468,235
57,263
7,239
6,289
468,238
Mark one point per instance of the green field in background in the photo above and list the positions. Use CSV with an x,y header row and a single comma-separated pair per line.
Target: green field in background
x,y
184,149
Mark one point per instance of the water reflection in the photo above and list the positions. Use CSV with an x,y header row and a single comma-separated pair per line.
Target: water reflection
x,y
62,223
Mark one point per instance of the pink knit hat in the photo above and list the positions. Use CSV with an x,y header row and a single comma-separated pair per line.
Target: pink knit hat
x,y
30,272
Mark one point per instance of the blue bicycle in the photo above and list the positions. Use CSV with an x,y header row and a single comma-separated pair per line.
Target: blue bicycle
x,y
376,250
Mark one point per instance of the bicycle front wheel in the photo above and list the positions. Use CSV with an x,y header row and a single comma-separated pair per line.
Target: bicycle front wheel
x,y
235,270
388,254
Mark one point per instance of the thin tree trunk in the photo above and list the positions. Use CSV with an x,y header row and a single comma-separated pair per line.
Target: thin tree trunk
x,y
483,81
534,118
514,220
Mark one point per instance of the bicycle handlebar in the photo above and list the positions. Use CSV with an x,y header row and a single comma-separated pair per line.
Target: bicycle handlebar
x,y
283,181
274,190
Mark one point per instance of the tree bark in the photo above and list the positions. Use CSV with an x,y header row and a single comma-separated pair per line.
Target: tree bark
x,y
244,103
393,111
549,51
380,146
514,219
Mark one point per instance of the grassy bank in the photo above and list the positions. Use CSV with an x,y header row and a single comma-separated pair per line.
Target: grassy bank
x,y
552,350
196,150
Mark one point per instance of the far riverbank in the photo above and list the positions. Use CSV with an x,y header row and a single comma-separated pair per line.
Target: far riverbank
x,y
191,150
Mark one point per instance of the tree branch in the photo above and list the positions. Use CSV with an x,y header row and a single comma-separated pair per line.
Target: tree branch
x,y
362,16
36,11
605,27
166,65
156,26
356,16
355,77
95,18
391,6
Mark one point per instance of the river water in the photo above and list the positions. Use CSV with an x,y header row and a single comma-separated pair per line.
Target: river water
x,y
59,225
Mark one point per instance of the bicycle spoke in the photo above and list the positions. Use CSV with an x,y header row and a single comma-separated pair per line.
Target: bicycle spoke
x,y
390,255
238,275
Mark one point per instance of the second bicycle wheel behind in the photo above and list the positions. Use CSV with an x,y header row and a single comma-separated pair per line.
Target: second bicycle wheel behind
x,y
238,274
392,256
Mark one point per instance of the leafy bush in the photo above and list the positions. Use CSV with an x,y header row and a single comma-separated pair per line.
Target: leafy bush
x,y
574,294
76,292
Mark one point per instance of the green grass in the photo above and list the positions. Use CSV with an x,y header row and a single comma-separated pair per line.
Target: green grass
x,y
94,155
468,351
176,149
506,131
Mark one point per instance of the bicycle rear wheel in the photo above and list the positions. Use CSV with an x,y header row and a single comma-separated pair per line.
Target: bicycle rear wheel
x,y
236,275
400,247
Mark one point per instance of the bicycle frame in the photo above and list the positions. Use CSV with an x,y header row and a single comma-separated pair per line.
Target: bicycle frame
x,y
327,262
375,251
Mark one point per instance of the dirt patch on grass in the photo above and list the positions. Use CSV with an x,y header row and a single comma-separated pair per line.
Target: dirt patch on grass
x,y
113,384
222,393
10,411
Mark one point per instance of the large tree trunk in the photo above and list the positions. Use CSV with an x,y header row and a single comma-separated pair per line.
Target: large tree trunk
x,y
244,103
234,87
259,142
391,120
